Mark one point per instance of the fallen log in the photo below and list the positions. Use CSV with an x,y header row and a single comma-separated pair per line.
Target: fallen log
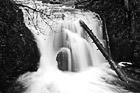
x,y
104,52
134,84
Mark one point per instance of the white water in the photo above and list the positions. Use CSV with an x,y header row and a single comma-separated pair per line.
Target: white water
x,y
90,73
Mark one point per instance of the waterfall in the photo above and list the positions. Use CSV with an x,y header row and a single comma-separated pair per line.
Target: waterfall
x,y
86,70
83,52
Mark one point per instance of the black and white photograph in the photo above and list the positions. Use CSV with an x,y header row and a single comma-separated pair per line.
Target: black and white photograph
x,y
69,46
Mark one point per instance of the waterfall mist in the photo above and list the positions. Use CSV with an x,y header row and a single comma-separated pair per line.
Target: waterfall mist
x,y
86,70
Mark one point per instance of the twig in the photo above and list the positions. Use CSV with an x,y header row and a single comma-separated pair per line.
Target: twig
x,y
31,19
21,5
78,3
41,12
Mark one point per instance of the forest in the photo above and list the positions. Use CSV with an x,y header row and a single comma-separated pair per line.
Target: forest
x,y
121,20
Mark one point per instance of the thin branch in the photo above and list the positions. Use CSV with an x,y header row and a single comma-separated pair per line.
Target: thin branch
x,y
82,2
106,36
39,11
21,5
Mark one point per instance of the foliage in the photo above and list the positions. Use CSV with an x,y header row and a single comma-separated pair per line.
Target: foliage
x,y
123,24
18,50
121,18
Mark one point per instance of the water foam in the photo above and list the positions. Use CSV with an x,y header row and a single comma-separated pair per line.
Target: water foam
x,y
88,71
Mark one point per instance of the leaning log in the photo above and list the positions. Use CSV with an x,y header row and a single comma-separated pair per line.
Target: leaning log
x,y
104,52
105,33
130,82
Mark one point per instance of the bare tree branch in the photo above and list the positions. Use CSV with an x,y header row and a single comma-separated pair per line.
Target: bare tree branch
x,y
42,15
82,2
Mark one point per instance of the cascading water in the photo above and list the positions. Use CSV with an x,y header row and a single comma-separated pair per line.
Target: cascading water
x,y
87,70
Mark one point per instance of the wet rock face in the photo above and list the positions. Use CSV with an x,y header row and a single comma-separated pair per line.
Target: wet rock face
x,y
62,59
18,49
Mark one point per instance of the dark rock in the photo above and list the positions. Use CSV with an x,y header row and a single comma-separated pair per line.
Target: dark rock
x,y
18,49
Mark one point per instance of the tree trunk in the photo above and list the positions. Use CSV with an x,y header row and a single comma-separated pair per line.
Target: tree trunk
x,y
134,84
104,52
